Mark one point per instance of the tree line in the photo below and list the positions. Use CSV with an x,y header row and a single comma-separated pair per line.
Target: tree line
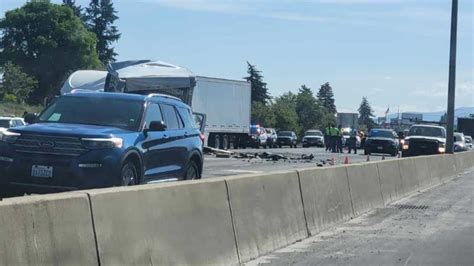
x,y
299,111
44,42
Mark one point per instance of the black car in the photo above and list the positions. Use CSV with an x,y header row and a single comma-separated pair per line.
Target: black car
x,y
313,138
383,141
287,138
424,140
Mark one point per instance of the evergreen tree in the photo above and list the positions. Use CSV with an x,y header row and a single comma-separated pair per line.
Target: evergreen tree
x,y
326,98
366,113
309,111
259,88
77,9
100,17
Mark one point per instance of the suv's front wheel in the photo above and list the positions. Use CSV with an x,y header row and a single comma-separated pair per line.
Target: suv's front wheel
x,y
129,174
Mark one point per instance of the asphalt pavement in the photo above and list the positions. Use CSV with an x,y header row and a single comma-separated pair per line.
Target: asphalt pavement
x,y
216,167
434,227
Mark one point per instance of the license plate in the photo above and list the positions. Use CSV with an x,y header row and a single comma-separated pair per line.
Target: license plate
x,y
42,171
380,147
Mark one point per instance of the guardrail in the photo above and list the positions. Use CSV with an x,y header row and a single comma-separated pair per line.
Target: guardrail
x,y
227,220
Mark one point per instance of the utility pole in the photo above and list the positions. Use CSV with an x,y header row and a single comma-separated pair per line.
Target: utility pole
x,y
452,79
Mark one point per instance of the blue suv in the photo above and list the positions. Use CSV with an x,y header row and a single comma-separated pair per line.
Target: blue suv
x,y
101,139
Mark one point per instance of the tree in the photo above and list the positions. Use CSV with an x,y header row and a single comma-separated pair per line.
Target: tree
x,y
100,17
17,83
284,109
76,9
326,98
259,88
48,42
309,111
262,114
366,113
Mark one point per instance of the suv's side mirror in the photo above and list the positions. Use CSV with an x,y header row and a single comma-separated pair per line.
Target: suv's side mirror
x,y
30,118
156,126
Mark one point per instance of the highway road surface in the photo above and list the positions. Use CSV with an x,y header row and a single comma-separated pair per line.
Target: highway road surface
x,y
215,167
435,227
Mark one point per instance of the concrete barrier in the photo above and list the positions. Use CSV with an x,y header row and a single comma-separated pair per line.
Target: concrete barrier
x,y
364,186
409,179
423,171
47,230
464,160
267,212
443,167
326,197
174,223
390,180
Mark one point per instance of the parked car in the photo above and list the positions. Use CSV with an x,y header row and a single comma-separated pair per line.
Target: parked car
x,y
383,141
287,138
469,142
10,122
424,140
313,138
460,142
272,137
93,140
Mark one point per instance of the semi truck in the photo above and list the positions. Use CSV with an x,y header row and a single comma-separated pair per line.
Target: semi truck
x,y
466,126
348,120
225,103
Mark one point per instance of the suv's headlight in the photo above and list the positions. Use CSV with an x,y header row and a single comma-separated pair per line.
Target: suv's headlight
x,y
9,137
102,143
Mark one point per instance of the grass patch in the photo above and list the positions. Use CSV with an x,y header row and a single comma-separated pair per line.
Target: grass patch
x,y
7,109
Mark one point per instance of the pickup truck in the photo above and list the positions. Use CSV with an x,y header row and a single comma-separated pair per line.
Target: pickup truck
x,y
424,140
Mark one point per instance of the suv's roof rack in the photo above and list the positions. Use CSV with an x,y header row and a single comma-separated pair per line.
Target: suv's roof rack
x,y
151,95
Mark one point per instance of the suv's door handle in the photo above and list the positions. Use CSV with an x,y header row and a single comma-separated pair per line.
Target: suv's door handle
x,y
165,136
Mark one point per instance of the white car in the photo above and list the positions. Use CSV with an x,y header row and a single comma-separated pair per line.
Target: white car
x,y
9,122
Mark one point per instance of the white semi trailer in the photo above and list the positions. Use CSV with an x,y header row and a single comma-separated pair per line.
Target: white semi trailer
x,y
226,103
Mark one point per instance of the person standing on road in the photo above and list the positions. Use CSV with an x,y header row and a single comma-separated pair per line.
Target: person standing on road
x,y
353,141
339,139
327,137
333,136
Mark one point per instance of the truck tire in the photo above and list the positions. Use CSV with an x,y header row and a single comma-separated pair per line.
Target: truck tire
x,y
217,142
225,142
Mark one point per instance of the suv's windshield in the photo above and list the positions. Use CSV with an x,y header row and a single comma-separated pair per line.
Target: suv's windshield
x,y
313,133
125,114
427,131
381,134
285,134
5,123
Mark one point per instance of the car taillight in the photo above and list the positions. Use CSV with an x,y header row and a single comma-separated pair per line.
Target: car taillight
x,y
202,137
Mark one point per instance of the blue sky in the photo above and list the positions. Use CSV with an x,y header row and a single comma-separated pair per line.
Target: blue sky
x,y
395,52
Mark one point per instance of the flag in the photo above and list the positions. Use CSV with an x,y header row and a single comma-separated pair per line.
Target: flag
x,y
388,110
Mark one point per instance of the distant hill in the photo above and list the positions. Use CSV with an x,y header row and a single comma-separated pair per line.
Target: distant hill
x,y
436,116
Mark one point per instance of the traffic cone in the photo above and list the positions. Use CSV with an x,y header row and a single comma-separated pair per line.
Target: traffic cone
x,y
346,160
368,158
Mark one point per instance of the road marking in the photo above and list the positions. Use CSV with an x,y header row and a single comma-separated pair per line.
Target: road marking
x,y
245,171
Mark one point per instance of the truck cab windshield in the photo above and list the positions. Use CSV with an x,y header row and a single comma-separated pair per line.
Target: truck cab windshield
x,y
427,131
124,114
